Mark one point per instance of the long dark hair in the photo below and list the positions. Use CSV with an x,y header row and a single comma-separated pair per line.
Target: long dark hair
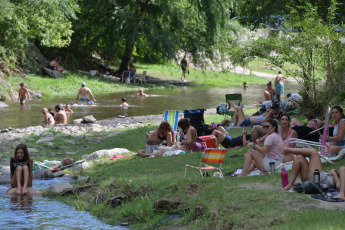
x,y
285,115
25,150
184,123
165,126
274,123
337,107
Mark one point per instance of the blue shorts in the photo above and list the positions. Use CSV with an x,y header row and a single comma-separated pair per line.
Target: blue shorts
x,y
340,143
84,99
246,122
132,74
23,99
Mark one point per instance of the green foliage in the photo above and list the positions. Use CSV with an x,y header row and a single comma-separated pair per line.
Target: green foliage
x,y
315,46
26,21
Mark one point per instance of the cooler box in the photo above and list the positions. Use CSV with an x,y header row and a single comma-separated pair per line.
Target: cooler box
x,y
210,140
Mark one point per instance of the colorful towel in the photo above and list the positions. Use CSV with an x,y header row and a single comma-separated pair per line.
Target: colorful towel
x,y
327,198
119,156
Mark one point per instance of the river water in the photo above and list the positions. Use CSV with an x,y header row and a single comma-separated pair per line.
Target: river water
x,y
107,106
38,212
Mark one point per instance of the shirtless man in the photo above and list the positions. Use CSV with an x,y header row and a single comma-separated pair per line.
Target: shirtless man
x,y
60,116
68,110
141,93
23,94
84,93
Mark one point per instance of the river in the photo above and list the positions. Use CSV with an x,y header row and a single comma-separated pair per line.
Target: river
x,y
158,100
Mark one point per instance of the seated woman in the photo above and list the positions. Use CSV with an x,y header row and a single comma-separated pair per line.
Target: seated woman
x,y
286,132
164,132
306,169
188,144
48,118
224,138
260,157
243,121
270,94
53,166
53,68
21,170
338,139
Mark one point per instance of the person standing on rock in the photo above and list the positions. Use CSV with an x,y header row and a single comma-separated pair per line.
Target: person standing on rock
x,y
21,170
60,116
84,93
23,94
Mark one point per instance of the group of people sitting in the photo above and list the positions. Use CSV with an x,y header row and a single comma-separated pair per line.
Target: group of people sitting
x,y
60,117
270,142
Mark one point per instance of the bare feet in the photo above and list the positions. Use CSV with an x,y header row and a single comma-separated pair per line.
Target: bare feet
x,y
339,197
24,190
281,147
19,191
140,152
287,187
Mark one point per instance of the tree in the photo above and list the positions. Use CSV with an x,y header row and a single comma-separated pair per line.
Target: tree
x,y
27,21
159,29
311,50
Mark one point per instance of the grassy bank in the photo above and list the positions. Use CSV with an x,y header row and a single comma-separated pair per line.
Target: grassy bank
x,y
210,203
208,78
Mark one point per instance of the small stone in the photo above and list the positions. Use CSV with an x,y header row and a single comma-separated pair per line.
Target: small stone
x,y
58,153
124,224
45,139
47,134
70,141
70,153
49,143
78,121
32,150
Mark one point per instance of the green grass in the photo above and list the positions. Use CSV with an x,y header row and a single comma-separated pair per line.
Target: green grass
x,y
208,78
210,203
262,65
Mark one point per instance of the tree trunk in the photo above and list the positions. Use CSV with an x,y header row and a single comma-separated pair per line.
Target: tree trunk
x,y
127,55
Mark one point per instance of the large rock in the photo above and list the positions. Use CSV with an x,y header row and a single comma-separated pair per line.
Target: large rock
x,y
59,174
78,121
47,134
42,174
31,191
59,187
32,150
89,119
5,139
5,178
3,105
45,139
14,144
107,152
83,165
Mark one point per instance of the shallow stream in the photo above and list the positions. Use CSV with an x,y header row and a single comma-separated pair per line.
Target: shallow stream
x,y
38,212
107,106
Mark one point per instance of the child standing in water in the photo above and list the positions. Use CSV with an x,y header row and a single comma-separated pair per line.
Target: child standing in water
x,y
123,102
21,169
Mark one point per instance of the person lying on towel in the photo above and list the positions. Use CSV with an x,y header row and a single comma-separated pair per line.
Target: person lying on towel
x,y
53,166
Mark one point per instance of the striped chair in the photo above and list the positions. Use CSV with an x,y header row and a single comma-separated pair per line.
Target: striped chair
x,y
209,156
172,117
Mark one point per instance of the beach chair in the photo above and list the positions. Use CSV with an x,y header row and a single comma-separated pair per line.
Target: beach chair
x,y
172,117
140,77
322,144
237,98
214,156
37,163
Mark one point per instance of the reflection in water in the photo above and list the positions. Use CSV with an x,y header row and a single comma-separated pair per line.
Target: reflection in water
x,y
38,212
157,100
21,203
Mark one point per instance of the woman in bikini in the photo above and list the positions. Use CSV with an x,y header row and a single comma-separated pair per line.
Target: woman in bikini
x,y
243,121
338,140
48,118
164,132
21,170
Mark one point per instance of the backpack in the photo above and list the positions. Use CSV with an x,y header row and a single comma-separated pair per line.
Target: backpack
x,y
222,109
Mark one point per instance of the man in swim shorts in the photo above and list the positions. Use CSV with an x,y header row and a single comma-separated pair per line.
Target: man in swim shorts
x,y
84,93
23,94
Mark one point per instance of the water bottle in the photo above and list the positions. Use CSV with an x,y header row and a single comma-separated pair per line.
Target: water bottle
x,y
284,176
272,167
316,177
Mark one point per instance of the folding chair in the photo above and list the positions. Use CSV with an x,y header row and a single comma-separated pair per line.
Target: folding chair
x,y
215,156
140,77
237,98
172,117
322,143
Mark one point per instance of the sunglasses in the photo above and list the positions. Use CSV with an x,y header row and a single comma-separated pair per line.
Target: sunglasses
x,y
266,126
316,122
